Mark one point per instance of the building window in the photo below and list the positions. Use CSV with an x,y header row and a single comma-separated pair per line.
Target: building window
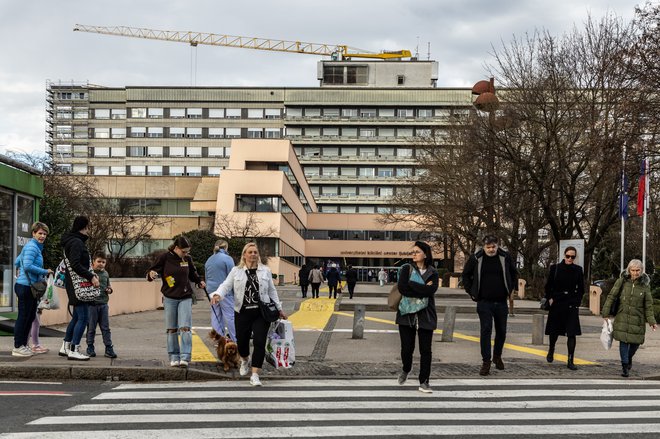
x,y
425,112
194,171
404,152
333,75
330,151
385,172
177,113
366,209
311,171
330,191
155,132
194,113
349,172
137,113
349,112
101,170
273,113
347,209
404,112
255,133
367,152
368,112
177,151
273,133
404,132
386,132
349,132
118,113
64,132
83,113
233,113
194,151
385,191
330,171
214,171
331,132
117,170
331,112
367,172
403,172
79,169
137,151
400,79
63,150
233,133
194,133
216,133
215,151
101,133
155,113
177,132
102,113
138,131
138,170
386,152
329,209
176,170
118,151
347,151
101,151
216,113
293,131
312,112
367,132
367,191
118,133
155,151
356,74
423,132
255,113
256,203
349,191
154,170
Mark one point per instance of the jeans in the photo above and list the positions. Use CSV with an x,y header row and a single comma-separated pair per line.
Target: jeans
x,y
178,316
78,324
332,289
627,351
98,314
222,315
27,311
407,335
490,311
250,323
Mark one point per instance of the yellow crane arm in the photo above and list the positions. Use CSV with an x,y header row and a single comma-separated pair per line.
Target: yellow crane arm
x,y
196,38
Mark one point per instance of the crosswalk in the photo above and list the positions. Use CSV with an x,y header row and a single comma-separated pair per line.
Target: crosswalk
x,y
359,408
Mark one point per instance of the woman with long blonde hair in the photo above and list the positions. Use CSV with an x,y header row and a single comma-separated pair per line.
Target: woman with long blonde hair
x,y
251,282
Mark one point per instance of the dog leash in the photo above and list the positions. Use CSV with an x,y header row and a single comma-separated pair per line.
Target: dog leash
x,y
212,307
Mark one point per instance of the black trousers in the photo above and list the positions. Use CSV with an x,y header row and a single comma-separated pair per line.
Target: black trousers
x,y
332,289
351,289
407,335
303,290
250,323
315,289
490,311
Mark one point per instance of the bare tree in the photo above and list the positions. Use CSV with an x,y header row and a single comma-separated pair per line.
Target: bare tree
x,y
239,232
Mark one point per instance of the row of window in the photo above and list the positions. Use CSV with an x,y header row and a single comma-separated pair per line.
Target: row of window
x,y
366,132
153,170
330,208
182,113
353,151
352,191
355,171
367,235
66,150
374,112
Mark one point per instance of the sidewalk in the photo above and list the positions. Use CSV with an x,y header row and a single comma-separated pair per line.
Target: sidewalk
x,y
324,346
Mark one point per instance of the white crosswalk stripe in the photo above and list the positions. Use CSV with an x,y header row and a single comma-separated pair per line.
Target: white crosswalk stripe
x,y
359,408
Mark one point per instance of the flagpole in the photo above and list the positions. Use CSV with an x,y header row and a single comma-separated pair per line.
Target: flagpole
x,y
646,204
622,199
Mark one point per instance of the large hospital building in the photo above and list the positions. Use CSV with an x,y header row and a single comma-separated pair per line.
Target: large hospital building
x,y
318,164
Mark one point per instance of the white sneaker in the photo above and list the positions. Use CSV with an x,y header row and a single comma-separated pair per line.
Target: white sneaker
x,y
183,364
64,350
174,363
245,368
76,354
22,351
254,380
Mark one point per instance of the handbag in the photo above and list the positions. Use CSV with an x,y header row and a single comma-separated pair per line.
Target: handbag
x,y
269,311
411,305
36,288
83,289
394,298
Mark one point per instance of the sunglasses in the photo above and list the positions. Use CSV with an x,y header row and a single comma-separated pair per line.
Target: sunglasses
x,y
569,256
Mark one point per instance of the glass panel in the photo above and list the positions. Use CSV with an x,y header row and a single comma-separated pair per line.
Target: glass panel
x,y
6,245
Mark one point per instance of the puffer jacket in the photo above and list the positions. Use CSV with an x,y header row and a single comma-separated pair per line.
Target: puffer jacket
x,y
635,308
30,263
78,255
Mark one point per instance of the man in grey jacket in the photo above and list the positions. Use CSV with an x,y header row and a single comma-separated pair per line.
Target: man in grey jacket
x,y
489,277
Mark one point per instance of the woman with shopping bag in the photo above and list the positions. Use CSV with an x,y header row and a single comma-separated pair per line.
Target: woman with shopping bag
x,y
635,309
254,289
30,266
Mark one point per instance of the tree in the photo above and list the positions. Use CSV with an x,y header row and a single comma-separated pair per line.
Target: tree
x,y
239,231
202,242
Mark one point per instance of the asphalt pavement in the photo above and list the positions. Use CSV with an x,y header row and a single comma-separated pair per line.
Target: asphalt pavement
x,y
325,346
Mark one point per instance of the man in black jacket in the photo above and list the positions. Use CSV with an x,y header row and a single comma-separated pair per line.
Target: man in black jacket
x,y
489,277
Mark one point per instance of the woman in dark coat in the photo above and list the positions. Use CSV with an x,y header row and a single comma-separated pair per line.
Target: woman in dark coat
x,y
423,322
303,278
333,279
564,290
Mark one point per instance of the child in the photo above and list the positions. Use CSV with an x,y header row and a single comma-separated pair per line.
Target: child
x,y
98,311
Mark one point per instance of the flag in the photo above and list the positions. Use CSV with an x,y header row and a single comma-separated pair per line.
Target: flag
x,y
623,196
641,189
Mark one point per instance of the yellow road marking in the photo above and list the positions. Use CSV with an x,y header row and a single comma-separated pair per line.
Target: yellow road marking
x,y
313,313
513,347
200,353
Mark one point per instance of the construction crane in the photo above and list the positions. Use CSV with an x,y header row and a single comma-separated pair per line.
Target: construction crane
x,y
337,52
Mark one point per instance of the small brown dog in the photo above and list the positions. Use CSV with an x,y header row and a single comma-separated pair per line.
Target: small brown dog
x,y
227,351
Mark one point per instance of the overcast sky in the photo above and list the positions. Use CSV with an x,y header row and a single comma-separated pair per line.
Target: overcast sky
x,y
37,42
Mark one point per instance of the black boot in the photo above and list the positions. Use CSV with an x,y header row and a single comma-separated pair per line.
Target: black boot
x,y
624,370
551,355
570,363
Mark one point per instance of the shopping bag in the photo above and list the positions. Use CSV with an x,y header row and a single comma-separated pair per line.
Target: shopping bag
x,y
50,299
280,347
394,298
606,334
60,275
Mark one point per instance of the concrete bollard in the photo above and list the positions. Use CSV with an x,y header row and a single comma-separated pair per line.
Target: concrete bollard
x,y
449,323
538,329
453,282
521,288
594,299
358,321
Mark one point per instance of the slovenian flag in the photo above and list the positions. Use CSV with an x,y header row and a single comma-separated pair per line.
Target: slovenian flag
x,y
642,188
623,196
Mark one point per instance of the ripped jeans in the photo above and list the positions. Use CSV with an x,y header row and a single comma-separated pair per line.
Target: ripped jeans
x,y
178,321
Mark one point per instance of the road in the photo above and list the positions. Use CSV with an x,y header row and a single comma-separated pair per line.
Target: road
x,y
340,408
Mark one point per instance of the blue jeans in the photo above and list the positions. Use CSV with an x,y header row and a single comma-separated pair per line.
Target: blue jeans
x,y
627,351
222,314
178,315
98,314
27,311
490,311
78,324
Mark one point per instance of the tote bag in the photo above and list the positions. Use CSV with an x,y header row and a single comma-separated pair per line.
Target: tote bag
x,y
84,290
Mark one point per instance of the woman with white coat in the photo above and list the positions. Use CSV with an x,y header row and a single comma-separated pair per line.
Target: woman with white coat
x,y
251,282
